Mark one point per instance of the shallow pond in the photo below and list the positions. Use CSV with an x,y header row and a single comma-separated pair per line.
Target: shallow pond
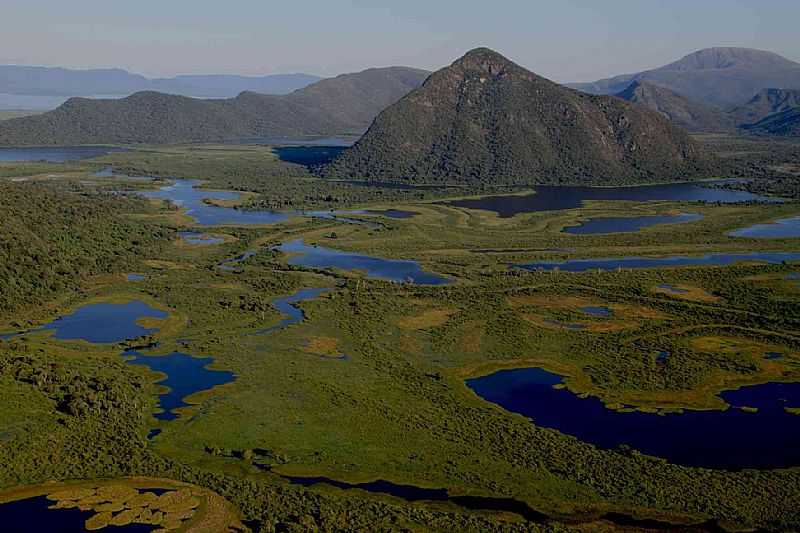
x,y
32,514
583,265
598,311
185,375
101,323
288,306
375,267
231,265
199,239
412,493
780,229
595,226
184,193
730,439
135,277
552,198
55,154
672,289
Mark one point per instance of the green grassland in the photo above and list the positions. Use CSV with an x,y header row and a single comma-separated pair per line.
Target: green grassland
x,y
396,407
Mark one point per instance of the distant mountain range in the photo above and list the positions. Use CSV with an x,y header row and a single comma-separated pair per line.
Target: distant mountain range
x,y
485,119
696,117
719,77
786,123
345,104
689,115
51,81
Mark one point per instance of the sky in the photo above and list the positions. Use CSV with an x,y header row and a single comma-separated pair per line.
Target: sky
x,y
565,40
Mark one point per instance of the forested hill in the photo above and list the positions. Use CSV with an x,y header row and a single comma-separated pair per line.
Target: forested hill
x,y
486,119
345,104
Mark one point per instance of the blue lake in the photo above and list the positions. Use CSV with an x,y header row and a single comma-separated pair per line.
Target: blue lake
x,y
135,277
104,323
32,514
185,194
308,155
375,267
729,439
186,375
780,229
55,154
552,198
595,226
199,239
583,265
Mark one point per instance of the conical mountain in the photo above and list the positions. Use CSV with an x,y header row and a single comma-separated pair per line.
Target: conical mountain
x,y
486,119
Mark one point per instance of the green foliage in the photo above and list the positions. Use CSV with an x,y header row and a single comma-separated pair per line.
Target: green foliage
x,y
54,236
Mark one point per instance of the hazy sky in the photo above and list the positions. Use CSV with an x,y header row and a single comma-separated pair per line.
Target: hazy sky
x,y
566,40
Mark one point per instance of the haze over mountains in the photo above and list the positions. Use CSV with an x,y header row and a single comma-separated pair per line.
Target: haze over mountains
x,y
486,119
345,104
53,81
720,77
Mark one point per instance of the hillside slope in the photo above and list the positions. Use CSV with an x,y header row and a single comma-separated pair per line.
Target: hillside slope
x,y
786,124
485,119
681,111
338,105
721,77
767,102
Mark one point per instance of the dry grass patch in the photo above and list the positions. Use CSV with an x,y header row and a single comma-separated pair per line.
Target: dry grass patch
x,y
687,292
472,337
429,318
323,346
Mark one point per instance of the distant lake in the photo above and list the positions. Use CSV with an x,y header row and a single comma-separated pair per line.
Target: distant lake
x,y
56,154
780,229
375,267
554,198
730,439
628,224
308,155
583,265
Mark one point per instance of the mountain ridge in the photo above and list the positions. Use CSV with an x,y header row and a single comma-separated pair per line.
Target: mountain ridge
x,y
64,82
720,77
344,104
